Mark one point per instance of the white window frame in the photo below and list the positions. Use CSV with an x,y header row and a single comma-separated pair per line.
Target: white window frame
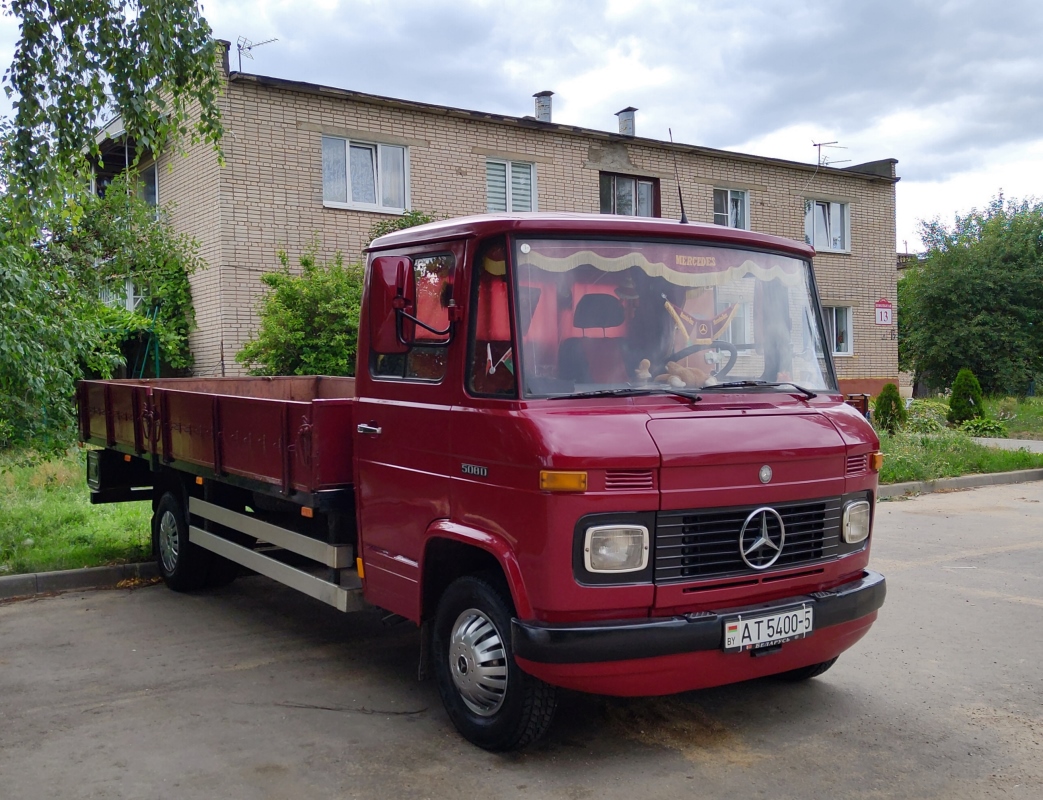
x,y
732,194
844,211
830,313
378,185
508,166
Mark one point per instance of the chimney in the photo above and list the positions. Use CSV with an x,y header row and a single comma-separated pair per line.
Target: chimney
x,y
626,121
543,105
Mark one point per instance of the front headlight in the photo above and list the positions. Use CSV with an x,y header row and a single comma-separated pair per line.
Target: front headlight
x,y
855,525
615,548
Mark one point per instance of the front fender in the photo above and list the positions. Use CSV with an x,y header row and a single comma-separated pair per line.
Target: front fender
x,y
496,546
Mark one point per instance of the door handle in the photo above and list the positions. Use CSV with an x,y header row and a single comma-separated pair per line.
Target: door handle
x,y
373,430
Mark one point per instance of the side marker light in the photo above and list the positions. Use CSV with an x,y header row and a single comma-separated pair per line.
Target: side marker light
x,y
557,481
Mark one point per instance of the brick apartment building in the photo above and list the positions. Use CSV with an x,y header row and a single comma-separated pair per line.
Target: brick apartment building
x,y
308,163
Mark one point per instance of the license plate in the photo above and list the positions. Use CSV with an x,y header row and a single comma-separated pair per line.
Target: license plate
x,y
767,630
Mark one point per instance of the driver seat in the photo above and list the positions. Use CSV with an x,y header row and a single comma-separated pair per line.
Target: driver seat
x,y
586,359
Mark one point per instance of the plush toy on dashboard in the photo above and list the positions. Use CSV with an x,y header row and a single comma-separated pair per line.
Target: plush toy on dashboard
x,y
688,377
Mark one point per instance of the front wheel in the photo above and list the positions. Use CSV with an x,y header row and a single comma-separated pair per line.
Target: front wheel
x,y
491,701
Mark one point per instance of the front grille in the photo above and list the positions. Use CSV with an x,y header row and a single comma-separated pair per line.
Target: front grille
x,y
705,542
623,480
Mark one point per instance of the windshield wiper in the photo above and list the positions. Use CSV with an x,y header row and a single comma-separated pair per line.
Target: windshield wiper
x,y
631,391
808,394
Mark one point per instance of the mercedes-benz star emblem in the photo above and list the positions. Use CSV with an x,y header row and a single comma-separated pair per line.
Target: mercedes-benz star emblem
x,y
761,539
765,474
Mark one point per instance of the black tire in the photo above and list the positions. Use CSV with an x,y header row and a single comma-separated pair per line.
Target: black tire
x,y
490,700
807,673
183,566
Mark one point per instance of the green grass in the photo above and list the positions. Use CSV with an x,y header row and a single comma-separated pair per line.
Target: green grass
x,y
48,523
1027,419
925,456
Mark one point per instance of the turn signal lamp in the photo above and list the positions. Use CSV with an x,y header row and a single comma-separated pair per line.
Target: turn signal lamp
x,y
557,481
876,461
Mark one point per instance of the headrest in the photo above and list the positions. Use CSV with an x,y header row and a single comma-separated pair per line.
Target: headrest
x,y
598,311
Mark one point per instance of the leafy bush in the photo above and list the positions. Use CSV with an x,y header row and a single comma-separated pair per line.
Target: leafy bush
x,y
410,219
927,416
966,401
984,426
309,322
889,409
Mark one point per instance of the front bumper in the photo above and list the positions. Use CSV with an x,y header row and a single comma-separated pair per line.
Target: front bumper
x,y
625,640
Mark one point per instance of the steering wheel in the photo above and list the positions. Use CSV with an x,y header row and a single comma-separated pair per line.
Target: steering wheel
x,y
733,354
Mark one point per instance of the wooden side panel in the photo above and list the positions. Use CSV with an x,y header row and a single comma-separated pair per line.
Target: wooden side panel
x,y
303,444
332,442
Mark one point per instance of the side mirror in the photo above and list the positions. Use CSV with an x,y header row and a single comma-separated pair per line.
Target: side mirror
x,y
392,290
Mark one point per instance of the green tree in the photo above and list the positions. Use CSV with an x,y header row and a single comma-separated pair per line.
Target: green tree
x,y
889,410
966,402
976,298
152,62
54,327
309,322
120,236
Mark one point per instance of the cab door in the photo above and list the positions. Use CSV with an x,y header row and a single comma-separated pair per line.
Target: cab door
x,y
402,440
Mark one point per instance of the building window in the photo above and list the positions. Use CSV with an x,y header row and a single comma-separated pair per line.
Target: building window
x,y
364,175
730,208
838,329
148,188
518,193
826,226
629,196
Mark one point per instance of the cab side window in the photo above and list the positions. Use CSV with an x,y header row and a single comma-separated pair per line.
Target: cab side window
x,y
491,358
427,358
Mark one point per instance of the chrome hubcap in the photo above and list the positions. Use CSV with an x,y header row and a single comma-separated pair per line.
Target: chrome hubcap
x,y
478,662
168,543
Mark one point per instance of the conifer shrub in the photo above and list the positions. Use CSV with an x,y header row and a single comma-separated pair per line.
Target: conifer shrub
x,y
966,401
889,409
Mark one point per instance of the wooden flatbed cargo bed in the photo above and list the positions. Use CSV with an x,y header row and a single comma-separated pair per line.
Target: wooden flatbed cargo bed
x,y
287,435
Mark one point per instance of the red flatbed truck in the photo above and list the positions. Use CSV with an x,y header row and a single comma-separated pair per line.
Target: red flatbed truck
x,y
602,453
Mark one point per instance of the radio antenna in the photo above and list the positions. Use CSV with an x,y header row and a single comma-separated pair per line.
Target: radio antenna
x,y
677,177
244,45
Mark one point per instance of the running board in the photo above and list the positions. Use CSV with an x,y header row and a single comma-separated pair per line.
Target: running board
x,y
343,598
336,556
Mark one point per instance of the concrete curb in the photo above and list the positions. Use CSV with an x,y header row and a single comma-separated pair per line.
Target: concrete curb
x,y
962,482
73,579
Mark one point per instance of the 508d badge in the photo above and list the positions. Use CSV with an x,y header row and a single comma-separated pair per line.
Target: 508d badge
x,y
474,470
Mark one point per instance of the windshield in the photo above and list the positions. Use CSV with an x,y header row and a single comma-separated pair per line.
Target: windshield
x,y
597,315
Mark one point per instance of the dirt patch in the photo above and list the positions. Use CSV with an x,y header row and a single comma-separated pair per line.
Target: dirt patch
x,y
679,725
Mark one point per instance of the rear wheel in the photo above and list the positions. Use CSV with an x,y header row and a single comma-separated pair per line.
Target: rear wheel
x,y
806,673
491,701
183,566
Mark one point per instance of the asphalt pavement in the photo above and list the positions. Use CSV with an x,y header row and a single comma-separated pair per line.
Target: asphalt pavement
x,y
255,692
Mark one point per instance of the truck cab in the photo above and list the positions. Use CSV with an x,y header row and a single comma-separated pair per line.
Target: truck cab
x,y
630,432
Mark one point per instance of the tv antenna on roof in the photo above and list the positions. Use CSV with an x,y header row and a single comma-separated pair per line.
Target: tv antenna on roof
x,y
244,45
825,160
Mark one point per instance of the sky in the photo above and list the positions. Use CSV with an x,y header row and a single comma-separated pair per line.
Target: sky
x,y
952,89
